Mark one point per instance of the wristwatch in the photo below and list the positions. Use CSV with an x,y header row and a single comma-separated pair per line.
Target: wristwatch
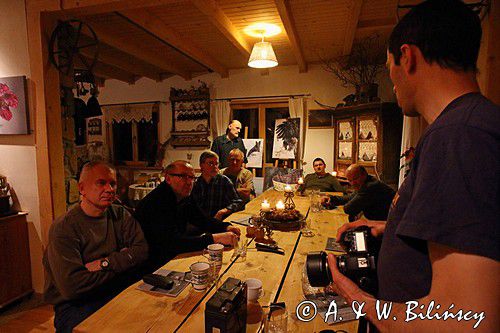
x,y
104,264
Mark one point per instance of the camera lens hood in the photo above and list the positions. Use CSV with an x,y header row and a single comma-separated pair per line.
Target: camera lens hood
x,y
318,272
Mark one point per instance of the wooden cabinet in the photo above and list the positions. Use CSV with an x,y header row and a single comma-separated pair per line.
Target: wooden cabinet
x,y
190,117
370,135
15,265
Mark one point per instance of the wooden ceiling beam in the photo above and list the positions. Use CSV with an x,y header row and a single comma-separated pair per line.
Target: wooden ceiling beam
x,y
104,70
286,15
93,7
389,22
157,27
352,24
224,25
115,58
137,50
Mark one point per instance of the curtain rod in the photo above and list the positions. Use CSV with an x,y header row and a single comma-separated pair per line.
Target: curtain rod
x,y
259,97
132,103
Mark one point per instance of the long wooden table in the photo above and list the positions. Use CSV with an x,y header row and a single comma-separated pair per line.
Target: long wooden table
x,y
138,311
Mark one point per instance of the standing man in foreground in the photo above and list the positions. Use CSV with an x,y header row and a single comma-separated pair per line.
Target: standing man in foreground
x,y
223,144
92,250
173,223
441,240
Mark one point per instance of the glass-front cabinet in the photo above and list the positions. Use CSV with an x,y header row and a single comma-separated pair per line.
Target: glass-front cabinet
x,y
369,135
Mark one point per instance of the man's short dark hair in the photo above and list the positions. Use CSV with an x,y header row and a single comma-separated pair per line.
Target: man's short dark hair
x,y
318,159
206,155
447,32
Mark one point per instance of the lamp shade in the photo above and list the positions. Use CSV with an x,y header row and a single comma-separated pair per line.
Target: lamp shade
x,y
262,56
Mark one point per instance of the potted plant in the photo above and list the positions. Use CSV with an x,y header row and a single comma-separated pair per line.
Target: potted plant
x,y
360,68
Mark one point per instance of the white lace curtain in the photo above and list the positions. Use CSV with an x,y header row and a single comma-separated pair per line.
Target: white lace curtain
x,y
130,112
220,112
413,127
296,109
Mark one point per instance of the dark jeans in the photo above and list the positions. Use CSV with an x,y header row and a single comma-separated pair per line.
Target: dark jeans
x,y
69,314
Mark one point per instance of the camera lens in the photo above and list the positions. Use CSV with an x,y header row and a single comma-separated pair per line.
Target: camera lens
x,y
318,272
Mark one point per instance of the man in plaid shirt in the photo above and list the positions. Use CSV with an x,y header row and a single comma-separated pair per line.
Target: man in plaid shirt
x,y
214,193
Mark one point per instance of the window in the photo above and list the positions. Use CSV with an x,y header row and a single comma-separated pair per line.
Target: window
x,y
258,121
133,130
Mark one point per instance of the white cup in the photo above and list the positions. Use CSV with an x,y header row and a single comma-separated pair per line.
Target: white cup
x,y
254,289
214,254
199,275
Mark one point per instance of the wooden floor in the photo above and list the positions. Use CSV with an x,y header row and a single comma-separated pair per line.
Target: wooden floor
x,y
30,315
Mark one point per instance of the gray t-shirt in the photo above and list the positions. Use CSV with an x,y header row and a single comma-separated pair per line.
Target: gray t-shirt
x,y
450,197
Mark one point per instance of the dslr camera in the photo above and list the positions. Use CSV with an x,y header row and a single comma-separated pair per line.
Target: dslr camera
x,y
358,264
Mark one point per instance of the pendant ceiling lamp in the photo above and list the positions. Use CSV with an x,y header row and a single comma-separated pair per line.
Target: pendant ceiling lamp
x,y
262,55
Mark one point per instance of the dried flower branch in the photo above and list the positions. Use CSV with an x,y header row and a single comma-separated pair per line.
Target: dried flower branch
x,y
362,66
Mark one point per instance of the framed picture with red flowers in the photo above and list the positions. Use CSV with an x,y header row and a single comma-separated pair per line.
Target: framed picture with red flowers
x,y
13,105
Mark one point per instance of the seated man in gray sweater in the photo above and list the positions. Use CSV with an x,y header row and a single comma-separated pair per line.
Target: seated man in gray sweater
x,y
371,197
92,251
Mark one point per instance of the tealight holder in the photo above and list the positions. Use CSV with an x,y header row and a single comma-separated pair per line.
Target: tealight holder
x,y
289,204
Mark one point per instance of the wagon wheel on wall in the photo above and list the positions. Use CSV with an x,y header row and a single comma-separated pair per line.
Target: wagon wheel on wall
x,y
66,42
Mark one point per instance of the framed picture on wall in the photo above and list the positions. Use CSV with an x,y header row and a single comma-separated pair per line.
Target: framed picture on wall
x,y
286,138
254,148
13,105
321,118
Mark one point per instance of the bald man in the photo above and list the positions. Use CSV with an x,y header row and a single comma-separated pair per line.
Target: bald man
x,y
371,197
223,144
173,223
93,250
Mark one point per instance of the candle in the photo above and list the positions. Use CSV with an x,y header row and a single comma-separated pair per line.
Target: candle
x,y
288,188
301,181
334,173
265,206
280,205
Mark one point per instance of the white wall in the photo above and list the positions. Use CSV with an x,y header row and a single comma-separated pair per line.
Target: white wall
x,y
18,152
282,80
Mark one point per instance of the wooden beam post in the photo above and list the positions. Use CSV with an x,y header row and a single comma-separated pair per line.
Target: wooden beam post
x,y
47,110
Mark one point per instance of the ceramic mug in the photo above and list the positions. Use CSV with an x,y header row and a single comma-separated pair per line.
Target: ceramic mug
x,y
199,275
214,254
254,289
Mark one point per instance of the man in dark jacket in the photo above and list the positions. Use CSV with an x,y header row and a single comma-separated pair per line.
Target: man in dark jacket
x,y
223,144
173,223
371,197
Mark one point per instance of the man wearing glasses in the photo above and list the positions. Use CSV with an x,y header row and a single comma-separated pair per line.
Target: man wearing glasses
x,y
371,197
173,223
214,193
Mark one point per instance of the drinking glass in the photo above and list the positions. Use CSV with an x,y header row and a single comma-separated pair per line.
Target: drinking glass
x,y
314,200
240,248
276,319
306,228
